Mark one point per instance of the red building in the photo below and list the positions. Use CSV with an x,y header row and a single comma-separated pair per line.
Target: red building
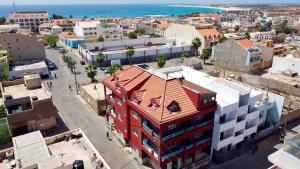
x,y
168,123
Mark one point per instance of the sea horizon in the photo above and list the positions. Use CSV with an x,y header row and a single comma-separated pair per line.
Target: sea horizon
x,y
110,10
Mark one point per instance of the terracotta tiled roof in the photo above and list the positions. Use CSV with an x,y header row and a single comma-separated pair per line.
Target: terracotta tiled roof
x,y
154,94
208,32
163,26
245,43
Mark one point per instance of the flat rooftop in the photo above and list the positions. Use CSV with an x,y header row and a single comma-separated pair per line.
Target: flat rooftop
x,y
37,65
20,91
97,93
33,151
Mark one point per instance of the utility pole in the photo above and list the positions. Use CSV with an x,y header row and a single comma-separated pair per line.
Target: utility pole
x,y
76,83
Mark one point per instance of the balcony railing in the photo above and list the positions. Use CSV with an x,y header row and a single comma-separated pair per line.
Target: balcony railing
x,y
183,148
150,149
113,113
165,138
150,131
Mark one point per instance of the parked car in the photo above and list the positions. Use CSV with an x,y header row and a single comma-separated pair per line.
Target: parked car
x,y
50,64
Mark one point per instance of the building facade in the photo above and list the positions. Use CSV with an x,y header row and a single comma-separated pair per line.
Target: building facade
x,y
22,49
168,123
241,109
13,28
29,106
209,36
241,55
28,20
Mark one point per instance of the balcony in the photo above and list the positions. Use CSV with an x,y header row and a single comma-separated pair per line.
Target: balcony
x,y
252,114
172,154
225,141
150,149
187,129
250,129
113,113
227,124
149,129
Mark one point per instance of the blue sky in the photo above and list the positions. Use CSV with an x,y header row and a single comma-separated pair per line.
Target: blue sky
x,y
8,2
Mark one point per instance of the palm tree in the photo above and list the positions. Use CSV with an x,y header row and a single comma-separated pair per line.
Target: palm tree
x,y
205,55
196,44
247,35
114,68
63,51
91,72
100,59
161,60
185,55
129,53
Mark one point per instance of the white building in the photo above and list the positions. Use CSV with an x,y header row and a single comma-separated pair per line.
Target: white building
x,y
240,111
13,28
259,36
56,29
86,29
110,31
288,64
146,49
209,36
288,156
28,20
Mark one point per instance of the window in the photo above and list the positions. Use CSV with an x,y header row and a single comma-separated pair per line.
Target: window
x,y
173,108
120,117
123,97
119,101
135,132
197,135
124,112
204,101
135,114
172,127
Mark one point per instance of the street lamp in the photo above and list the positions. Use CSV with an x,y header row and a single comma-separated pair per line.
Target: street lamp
x,y
76,83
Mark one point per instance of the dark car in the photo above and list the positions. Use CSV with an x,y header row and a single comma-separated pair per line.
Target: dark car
x,y
50,64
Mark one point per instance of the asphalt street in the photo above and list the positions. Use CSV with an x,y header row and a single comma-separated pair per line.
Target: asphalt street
x,y
77,114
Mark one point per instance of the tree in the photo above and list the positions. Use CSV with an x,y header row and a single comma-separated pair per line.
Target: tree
x,y
132,35
4,73
236,28
185,55
2,20
91,72
129,53
222,39
100,39
161,60
100,59
279,38
114,68
63,51
247,35
140,31
51,40
205,55
196,44
70,63
54,16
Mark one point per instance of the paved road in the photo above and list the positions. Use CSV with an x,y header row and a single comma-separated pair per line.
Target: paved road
x,y
77,114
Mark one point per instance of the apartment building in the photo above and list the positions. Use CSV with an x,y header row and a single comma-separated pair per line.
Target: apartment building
x,y
29,105
67,150
28,20
87,30
209,36
241,109
167,122
66,24
23,49
146,50
110,31
13,28
241,54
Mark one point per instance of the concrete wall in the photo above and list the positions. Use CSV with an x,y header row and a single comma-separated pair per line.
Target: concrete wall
x,y
97,105
281,64
23,49
234,54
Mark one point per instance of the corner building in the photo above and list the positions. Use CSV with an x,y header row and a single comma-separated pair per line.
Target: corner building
x,y
168,123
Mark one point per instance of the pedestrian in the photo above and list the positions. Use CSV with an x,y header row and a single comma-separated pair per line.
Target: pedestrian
x,y
70,87
107,135
253,149
55,76
48,84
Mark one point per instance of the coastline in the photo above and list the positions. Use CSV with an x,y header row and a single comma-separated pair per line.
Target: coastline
x,y
198,6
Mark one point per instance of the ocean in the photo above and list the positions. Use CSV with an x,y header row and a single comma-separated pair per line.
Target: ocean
x,y
99,10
